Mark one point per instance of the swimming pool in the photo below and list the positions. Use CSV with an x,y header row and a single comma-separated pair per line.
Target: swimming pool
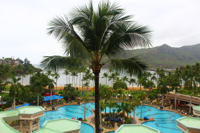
x,y
165,121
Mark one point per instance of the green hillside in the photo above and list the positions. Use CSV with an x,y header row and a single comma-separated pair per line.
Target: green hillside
x,y
168,57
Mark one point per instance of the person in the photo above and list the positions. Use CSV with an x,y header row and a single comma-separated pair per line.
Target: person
x,y
53,108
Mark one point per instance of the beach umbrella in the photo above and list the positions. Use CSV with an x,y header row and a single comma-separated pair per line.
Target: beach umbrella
x,y
61,97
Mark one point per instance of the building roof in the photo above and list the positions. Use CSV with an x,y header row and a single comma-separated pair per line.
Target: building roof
x,y
135,128
190,122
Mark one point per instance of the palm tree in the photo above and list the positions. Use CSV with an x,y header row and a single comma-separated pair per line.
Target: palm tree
x,y
102,107
134,103
6,70
110,105
14,88
56,76
51,87
49,73
163,87
190,75
142,97
122,108
66,72
105,75
120,91
67,90
106,32
38,82
24,94
85,99
132,81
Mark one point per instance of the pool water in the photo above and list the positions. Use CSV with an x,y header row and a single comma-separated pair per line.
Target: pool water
x,y
165,121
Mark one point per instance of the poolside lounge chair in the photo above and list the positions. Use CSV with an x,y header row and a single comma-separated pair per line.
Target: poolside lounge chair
x,y
80,119
107,119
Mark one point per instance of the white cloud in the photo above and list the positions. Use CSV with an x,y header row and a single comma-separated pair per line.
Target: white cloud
x,y
23,23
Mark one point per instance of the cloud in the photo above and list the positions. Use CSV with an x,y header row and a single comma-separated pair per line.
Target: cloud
x,y
23,24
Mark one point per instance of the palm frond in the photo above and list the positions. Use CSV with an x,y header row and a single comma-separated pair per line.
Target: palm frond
x,y
133,65
58,62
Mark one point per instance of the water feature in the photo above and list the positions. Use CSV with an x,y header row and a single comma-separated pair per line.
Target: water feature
x,y
165,121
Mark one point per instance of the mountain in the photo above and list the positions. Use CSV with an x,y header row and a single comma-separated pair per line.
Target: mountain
x,y
168,57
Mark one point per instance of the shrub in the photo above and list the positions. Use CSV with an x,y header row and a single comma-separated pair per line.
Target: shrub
x,y
1,109
120,84
48,105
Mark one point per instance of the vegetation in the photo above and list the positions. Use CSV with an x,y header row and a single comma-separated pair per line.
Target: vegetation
x,y
93,41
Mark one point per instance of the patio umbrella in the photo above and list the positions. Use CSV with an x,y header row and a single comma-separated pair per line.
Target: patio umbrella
x,y
61,97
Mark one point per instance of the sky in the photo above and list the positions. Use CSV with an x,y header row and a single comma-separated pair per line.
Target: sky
x,y
23,24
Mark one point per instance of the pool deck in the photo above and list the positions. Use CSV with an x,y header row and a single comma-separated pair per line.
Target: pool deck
x,y
91,119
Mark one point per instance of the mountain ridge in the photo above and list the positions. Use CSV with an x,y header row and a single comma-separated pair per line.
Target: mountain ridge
x,y
168,57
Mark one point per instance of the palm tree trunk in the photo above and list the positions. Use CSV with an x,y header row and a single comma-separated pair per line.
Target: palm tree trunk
x,y
84,111
97,101
38,100
162,98
14,102
56,84
51,97
100,118
66,79
175,100
106,81
134,117
80,81
109,113
141,110
190,100
69,78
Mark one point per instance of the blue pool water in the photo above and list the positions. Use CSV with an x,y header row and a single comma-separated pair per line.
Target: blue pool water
x,y
165,121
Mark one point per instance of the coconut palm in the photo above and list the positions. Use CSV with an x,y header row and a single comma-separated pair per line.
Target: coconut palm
x,y
132,81
66,72
38,82
190,75
14,88
49,73
105,75
142,97
51,87
85,99
102,107
56,76
110,105
5,71
120,92
106,32
24,94
163,87
135,102
67,90
122,108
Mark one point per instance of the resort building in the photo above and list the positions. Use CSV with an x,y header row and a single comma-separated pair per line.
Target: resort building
x,y
26,119
190,124
135,128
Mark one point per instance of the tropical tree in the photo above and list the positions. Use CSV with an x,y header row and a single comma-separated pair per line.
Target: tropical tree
x,y
142,97
120,92
24,94
106,32
135,102
14,88
132,81
102,107
49,73
123,107
110,105
190,75
66,72
105,75
163,87
6,70
68,90
51,87
56,76
104,92
38,81
85,99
